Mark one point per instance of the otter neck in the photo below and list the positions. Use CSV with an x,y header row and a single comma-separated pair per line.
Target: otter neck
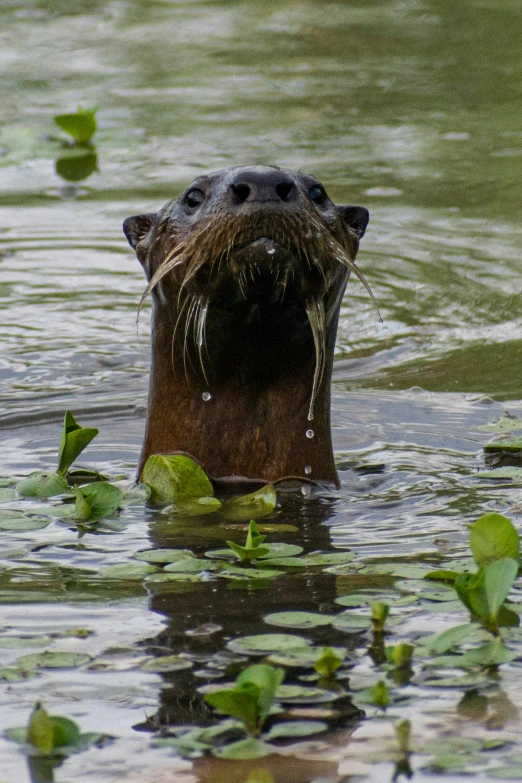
x,y
250,416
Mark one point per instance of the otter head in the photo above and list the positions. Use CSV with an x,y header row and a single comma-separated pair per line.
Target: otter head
x,y
247,269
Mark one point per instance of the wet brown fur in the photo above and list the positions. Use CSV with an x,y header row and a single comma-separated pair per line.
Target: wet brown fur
x,y
255,331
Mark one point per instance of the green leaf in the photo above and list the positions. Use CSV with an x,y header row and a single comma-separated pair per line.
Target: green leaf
x,y
307,561
173,477
163,555
81,125
266,643
380,611
42,484
328,662
53,660
73,440
442,642
40,730
442,575
167,663
400,655
194,565
241,703
295,728
504,424
508,472
127,572
267,679
18,520
197,507
250,748
510,445
7,494
298,619
66,732
485,592
491,654
493,537
498,578
257,504
380,694
99,500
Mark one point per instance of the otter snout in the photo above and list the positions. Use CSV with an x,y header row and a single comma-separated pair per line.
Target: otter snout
x,y
262,186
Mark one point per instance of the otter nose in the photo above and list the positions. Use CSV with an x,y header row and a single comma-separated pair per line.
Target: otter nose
x,y
263,186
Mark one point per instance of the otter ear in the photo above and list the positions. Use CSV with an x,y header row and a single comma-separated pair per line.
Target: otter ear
x,y
137,227
355,218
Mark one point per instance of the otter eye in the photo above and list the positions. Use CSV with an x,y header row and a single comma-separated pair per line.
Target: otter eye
x,y
194,198
317,194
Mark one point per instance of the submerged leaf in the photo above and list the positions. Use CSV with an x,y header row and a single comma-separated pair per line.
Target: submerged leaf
x,y
174,477
257,504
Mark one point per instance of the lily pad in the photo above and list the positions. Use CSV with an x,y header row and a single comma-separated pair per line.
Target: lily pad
x,y
194,508
250,748
53,660
168,663
307,561
173,477
127,572
508,472
304,694
305,657
42,484
160,576
163,555
295,728
194,565
263,644
298,619
7,494
442,642
352,623
510,445
15,674
504,424
18,520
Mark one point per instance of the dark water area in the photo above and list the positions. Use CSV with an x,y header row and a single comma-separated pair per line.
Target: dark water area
x,y
409,107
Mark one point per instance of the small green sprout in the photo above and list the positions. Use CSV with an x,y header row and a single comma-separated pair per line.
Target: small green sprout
x,y
80,125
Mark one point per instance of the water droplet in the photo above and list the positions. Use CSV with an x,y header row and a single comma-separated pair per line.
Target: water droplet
x,y
308,469
309,433
206,396
310,416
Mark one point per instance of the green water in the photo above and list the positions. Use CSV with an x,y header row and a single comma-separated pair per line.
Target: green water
x,y
410,108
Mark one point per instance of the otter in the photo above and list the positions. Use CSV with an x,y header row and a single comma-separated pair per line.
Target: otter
x,y
247,270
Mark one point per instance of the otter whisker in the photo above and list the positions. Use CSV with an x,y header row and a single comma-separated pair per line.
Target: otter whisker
x,y
190,313
180,313
316,318
202,310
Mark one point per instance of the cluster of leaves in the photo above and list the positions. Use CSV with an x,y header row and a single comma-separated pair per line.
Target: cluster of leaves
x,y
93,501
53,735
250,704
177,479
495,546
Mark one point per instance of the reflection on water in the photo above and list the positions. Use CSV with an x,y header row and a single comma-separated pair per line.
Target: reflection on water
x,y
410,108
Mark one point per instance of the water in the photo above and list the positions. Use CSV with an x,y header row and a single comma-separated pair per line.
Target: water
x,y
410,108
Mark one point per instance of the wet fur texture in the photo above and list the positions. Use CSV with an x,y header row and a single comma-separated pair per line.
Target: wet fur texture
x,y
247,284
